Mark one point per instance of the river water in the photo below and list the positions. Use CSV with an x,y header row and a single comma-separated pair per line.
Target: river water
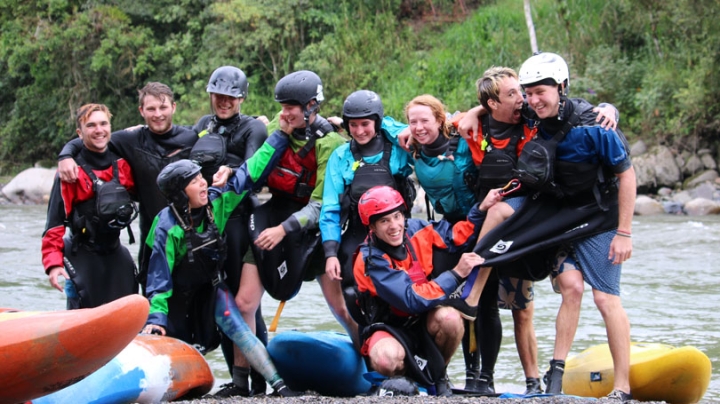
x,y
670,290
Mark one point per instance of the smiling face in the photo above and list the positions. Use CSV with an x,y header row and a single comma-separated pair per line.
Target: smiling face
x,y
424,126
225,106
197,192
158,113
544,100
390,228
510,101
95,131
362,130
293,114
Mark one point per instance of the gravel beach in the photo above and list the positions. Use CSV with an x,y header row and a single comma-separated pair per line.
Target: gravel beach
x,y
312,399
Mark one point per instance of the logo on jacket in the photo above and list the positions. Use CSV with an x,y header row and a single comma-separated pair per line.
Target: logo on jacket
x,y
282,269
501,247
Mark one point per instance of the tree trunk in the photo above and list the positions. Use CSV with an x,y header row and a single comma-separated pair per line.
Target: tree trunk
x,y
530,26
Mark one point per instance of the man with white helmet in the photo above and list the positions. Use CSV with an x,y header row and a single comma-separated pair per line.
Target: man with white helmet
x,y
592,168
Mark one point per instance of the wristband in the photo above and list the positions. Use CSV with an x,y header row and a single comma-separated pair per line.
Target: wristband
x,y
623,234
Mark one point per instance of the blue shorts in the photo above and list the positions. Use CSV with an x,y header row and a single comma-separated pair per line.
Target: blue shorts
x,y
515,293
515,201
590,257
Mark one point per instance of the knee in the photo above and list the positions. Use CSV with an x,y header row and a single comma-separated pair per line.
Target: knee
x,y
447,321
388,361
572,292
246,305
606,303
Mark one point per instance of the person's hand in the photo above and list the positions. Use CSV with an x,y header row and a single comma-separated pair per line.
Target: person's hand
x,y
606,117
54,274
620,249
285,125
470,123
154,329
332,268
337,121
404,139
263,119
491,199
221,176
270,237
467,262
68,170
132,128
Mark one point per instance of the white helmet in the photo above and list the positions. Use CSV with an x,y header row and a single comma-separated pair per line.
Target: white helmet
x,y
542,66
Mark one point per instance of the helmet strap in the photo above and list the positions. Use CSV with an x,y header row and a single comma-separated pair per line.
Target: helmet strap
x,y
307,113
561,102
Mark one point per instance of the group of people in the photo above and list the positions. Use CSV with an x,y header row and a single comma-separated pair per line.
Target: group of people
x,y
513,179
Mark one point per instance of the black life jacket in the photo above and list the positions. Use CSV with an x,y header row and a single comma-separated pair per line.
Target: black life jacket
x,y
498,164
371,175
536,167
191,308
97,222
210,152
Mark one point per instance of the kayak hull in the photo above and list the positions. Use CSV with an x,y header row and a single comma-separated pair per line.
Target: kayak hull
x,y
42,352
658,372
322,361
151,369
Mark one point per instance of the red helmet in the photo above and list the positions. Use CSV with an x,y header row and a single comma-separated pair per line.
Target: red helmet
x,y
379,200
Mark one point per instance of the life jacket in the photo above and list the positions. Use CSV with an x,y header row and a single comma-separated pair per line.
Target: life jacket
x,y
97,222
497,160
371,175
444,183
295,175
191,308
540,170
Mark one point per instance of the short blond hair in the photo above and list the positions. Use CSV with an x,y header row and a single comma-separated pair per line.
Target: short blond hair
x,y
488,86
83,113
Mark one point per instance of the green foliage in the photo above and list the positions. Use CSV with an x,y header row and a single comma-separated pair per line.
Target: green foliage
x,y
656,61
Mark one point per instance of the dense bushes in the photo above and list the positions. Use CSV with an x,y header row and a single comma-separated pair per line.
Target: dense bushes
x,y
655,61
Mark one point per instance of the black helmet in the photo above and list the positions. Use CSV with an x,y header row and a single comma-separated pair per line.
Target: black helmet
x,y
173,179
299,88
363,104
228,80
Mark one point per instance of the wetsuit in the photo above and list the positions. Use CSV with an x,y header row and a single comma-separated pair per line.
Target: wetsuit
x,y
236,139
100,268
170,265
147,153
351,171
397,287
296,185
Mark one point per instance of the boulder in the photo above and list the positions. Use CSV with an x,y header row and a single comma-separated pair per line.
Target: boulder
x,y
31,186
645,173
701,207
692,166
646,206
667,172
708,161
638,148
705,176
681,197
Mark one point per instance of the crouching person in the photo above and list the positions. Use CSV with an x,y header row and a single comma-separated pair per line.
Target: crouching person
x,y
411,318
188,296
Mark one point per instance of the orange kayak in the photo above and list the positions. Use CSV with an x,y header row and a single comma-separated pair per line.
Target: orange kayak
x,y
151,369
42,352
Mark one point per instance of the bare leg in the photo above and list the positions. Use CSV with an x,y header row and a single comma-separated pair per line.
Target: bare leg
x,y
618,333
248,300
446,327
571,287
387,357
336,302
525,340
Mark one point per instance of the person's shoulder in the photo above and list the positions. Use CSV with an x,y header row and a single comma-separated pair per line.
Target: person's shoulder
x,y
584,109
331,140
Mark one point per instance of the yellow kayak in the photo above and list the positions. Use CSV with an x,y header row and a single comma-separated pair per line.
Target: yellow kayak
x,y
658,372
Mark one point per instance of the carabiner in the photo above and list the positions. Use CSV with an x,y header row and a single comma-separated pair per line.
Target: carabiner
x,y
511,187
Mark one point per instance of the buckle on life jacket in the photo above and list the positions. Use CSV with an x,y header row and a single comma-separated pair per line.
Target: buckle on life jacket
x,y
511,187
217,278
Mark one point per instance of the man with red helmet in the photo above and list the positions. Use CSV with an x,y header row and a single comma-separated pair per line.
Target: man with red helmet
x,y
411,318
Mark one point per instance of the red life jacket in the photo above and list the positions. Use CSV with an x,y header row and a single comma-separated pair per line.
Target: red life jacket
x,y
294,176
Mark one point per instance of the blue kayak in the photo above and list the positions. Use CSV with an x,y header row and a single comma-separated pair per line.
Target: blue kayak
x,y
322,361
